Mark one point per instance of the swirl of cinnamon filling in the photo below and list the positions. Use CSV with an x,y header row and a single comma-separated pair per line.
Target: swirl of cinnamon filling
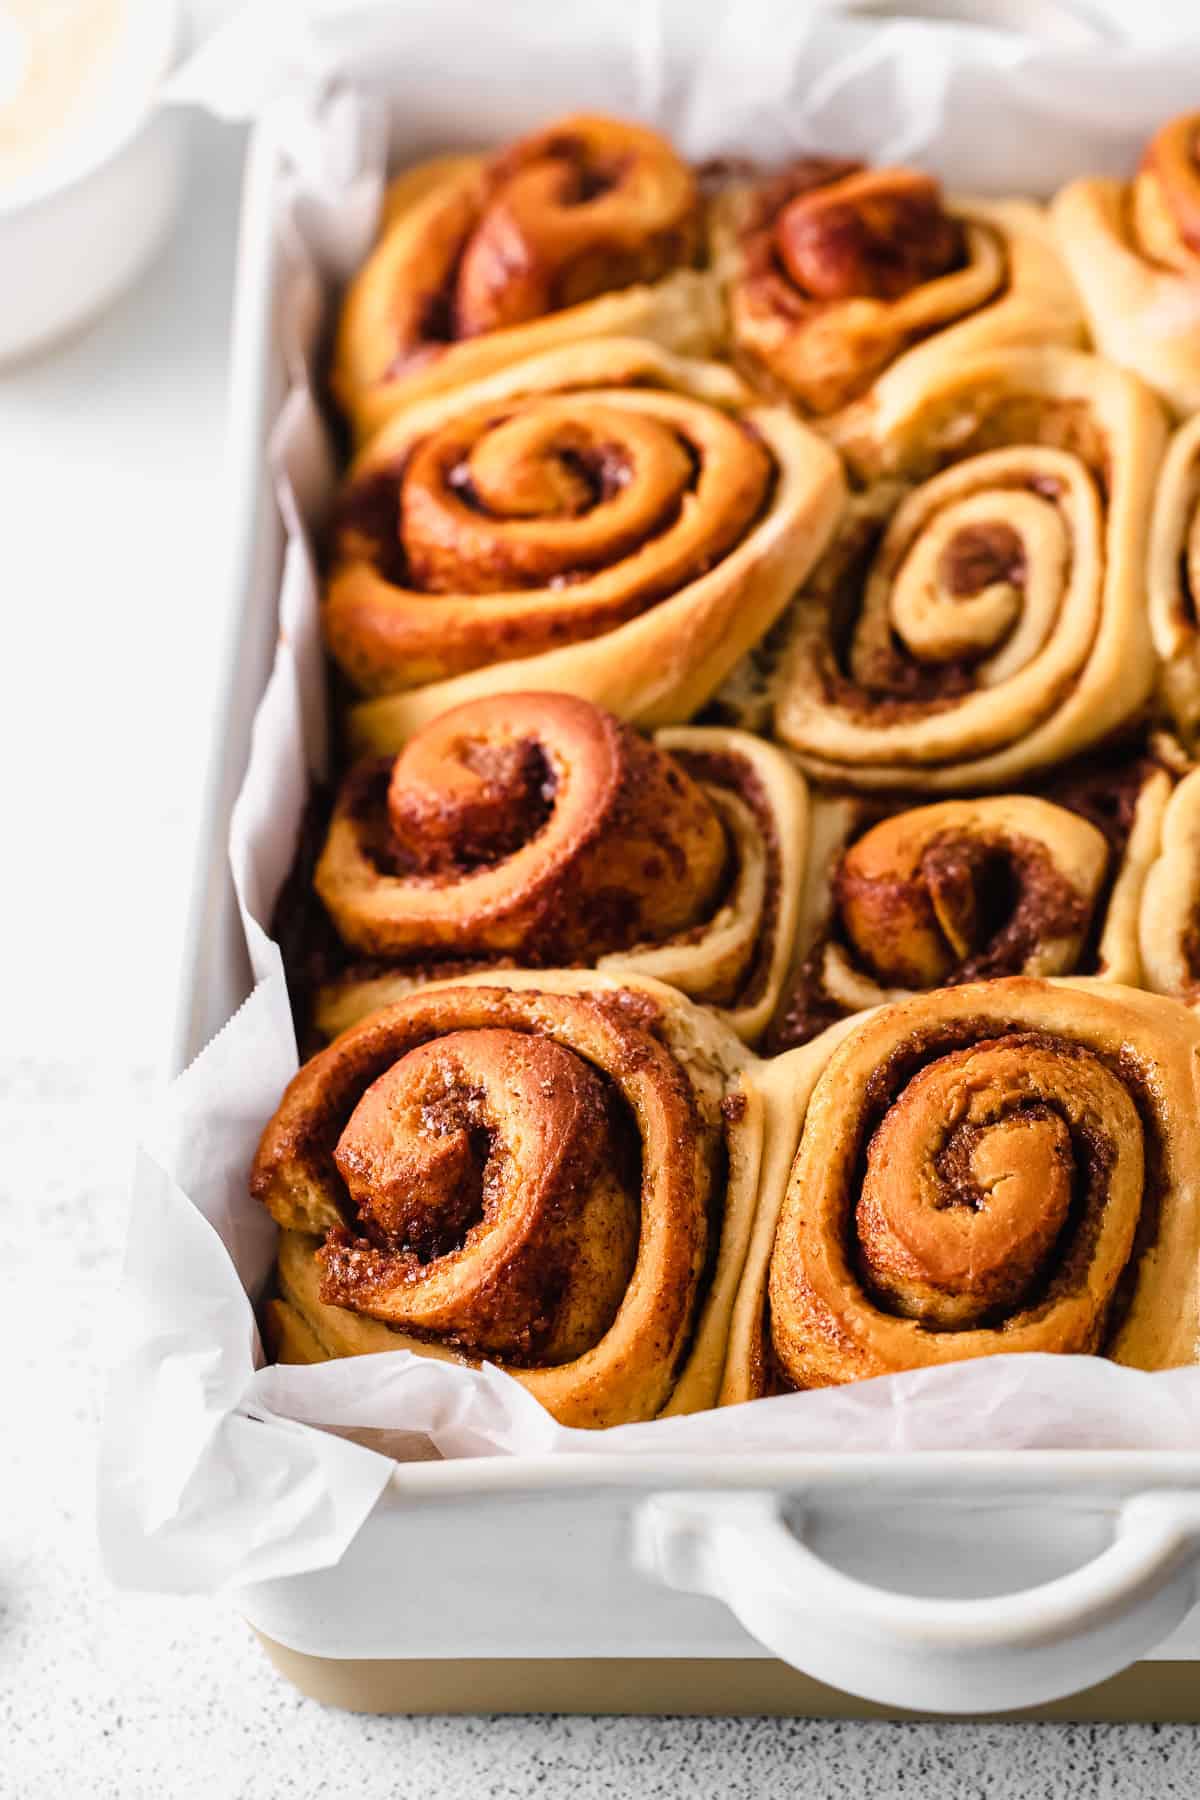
x,y
605,520
963,890
588,227
846,283
538,827
877,233
993,1168
528,825
900,899
531,1177
1134,251
992,619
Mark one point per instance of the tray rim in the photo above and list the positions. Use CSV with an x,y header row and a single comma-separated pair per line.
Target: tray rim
x,y
981,1473
245,491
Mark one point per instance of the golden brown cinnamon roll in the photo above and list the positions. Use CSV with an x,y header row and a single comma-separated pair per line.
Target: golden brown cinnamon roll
x,y
538,828
903,898
851,289
605,520
588,228
1007,1166
1169,918
556,1175
984,615
1134,250
1174,580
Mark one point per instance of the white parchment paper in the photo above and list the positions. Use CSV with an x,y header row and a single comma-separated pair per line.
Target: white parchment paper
x,y
212,1472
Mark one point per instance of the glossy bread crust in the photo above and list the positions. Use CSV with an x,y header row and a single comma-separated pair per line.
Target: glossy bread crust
x,y
556,1174
998,620
606,520
590,227
1005,1166
1133,249
852,291
538,829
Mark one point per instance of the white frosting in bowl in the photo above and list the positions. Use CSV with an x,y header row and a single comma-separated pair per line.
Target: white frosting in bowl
x,y
76,77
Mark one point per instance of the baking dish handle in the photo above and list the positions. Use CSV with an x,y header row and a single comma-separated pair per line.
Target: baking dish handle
x,y
942,1655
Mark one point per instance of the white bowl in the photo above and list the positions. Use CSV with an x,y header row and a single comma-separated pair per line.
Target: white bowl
x,y
71,241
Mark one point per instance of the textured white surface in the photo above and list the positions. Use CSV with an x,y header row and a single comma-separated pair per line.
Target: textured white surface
x,y
110,457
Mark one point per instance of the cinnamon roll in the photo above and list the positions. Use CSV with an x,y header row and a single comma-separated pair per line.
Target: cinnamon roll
x,y
590,227
1174,580
1134,250
983,616
1012,1165
606,520
903,899
851,290
556,1175
538,828
1169,917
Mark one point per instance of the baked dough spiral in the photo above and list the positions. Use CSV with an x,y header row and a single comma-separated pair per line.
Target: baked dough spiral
x,y
556,1175
1134,251
538,829
590,227
1169,917
1006,1166
903,898
606,520
957,891
985,617
851,289
1173,582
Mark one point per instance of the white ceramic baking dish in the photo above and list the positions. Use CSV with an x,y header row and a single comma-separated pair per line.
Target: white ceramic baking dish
x,y
954,1583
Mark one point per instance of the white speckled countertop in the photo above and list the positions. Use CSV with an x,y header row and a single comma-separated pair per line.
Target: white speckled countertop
x,y
110,454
